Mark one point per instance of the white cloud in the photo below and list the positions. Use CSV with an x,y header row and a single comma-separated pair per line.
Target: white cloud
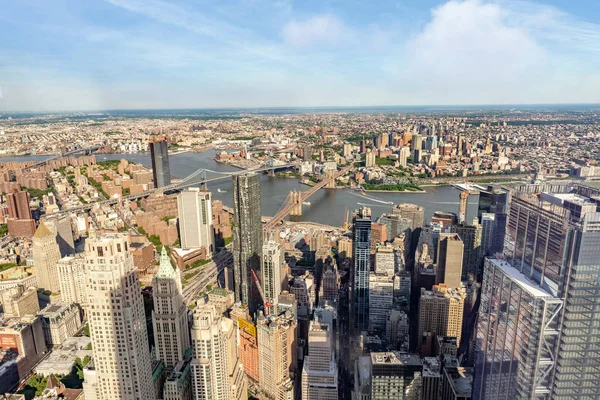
x,y
317,30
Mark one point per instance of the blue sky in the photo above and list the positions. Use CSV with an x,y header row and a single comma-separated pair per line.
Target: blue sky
x,y
82,55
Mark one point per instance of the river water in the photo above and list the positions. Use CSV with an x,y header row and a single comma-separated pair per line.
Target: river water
x,y
327,205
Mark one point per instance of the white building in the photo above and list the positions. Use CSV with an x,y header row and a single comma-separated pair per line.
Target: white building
x,y
381,299
169,317
71,277
195,220
115,311
60,322
272,263
385,260
320,373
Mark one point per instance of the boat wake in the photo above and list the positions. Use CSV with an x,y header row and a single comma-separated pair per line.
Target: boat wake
x,y
372,205
373,199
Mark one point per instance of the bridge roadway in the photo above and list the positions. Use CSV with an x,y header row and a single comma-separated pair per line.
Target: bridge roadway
x,y
289,205
176,186
68,153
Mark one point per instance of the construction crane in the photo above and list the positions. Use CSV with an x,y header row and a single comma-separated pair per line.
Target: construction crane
x,y
267,305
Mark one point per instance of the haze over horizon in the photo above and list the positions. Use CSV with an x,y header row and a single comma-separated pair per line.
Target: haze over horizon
x,y
156,54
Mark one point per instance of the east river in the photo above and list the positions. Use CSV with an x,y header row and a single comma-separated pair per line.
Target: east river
x,y
327,205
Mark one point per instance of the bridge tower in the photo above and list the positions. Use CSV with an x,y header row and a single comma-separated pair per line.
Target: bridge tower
x,y
296,201
330,174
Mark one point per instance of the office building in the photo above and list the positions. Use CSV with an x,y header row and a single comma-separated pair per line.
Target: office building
x,y
457,383
178,385
432,378
495,201
247,240
385,260
506,343
46,255
441,312
19,301
395,375
361,230
397,330
276,356
411,212
472,259
402,289
450,259
395,225
60,321
216,372
488,221
320,372
61,226
195,220
71,278
169,316
271,268
115,312
552,237
381,300
159,153
345,246
328,291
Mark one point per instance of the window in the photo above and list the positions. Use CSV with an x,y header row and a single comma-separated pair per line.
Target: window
x,y
100,252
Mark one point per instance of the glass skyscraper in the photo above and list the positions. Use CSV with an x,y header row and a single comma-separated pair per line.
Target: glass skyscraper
x,y
159,152
552,242
247,239
361,253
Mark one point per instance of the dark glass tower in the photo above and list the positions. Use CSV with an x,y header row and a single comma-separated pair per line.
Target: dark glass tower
x,y
159,153
247,239
361,253
494,200
546,348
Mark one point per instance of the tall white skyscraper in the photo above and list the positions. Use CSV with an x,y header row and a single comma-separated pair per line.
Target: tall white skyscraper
x,y
272,262
216,372
46,254
115,311
195,220
320,373
169,317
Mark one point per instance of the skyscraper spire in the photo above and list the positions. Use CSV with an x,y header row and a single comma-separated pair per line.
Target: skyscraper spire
x,y
165,268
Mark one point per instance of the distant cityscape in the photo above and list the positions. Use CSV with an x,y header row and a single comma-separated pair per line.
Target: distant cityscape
x,y
122,276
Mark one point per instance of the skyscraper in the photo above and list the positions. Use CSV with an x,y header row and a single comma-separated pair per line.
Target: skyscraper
x,y
552,241
71,278
396,375
169,317
471,238
247,239
413,213
450,259
320,373
441,312
276,356
46,255
61,226
488,220
195,220
495,200
361,256
115,311
159,152
272,263
216,373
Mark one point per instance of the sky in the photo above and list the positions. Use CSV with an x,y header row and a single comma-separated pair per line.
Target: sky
x,y
139,54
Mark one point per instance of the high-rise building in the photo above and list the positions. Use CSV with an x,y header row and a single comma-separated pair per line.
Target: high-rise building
x,y
247,239
449,259
159,152
276,356
395,225
370,159
432,378
488,221
378,235
381,300
320,372
385,260
361,268
195,220
472,259
72,280
19,301
552,241
46,255
61,226
18,204
216,373
403,155
248,347
457,383
178,385
328,291
115,311
169,317
441,312
271,266
494,200
413,213
396,375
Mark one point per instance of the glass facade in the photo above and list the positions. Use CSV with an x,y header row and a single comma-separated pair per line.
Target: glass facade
x,y
159,153
553,240
361,253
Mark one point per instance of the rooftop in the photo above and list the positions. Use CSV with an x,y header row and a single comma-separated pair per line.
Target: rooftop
x,y
395,357
461,379
524,282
